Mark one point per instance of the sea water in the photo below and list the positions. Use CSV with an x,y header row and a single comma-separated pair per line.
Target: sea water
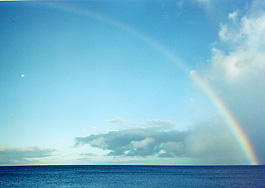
x,y
132,176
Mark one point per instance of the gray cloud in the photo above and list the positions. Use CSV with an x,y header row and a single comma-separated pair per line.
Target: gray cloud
x,y
208,143
10,155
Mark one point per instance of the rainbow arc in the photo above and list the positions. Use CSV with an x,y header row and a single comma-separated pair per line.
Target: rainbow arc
x,y
232,123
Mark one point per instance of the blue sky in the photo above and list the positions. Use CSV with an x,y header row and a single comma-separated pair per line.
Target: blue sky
x,y
82,82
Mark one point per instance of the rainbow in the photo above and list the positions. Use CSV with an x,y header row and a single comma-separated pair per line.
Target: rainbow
x,y
234,126
232,123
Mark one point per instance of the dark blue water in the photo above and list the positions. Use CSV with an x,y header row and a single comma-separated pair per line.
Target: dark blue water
x,y
132,176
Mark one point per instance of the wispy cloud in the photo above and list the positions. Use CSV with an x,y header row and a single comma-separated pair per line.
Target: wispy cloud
x,y
118,121
205,3
149,123
12,155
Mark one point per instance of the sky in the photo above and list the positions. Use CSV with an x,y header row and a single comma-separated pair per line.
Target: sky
x,y
112,82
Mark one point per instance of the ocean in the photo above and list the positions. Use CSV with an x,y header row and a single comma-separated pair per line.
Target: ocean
x,y
132,176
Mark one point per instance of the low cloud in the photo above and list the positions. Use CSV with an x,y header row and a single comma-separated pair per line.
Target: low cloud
x,y
12,155
207,143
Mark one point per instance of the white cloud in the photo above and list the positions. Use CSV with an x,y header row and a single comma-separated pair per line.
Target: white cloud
x,y
142,143
237,65
233,15
246,39
99,142
161,123
12,155
150,123
223,33
238,76
245,33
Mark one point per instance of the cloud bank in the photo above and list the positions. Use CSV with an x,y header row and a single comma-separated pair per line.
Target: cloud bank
x,y
12,155
207,143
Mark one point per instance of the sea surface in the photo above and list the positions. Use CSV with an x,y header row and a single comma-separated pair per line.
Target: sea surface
x,y
132,176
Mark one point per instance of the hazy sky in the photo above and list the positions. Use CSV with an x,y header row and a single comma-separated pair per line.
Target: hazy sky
x,y
109,82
